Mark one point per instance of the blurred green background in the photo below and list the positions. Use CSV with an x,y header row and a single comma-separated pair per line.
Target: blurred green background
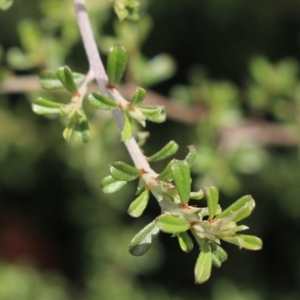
x,y
237,64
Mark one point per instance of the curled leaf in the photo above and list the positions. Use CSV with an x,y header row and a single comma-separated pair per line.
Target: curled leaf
x,y
168,150
185,242
100,101
123,172
110,185
212,200
42,106
138,96
138,206
203,264
65,75
172,224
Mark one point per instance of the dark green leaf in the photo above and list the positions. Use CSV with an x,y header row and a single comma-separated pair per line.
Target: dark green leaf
x,y
64,74
121,171
182,179
218,255
203,264
116,64
172,224
168,150
185,242
212,200
138,96
110,185
142,241
50,81
138,206
102,102
43,107
239,210
127,128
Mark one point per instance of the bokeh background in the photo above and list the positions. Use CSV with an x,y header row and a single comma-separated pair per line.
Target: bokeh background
x,y
229,71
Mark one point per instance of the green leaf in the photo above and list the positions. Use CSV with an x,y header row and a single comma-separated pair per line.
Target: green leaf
x,y
192,155
219,255
50,81
167,173
136,114
239,210
138,96
110,185
138,206
65,75
168,150
212,200
142,241
154,113
182,180
42,106
172,224
6,4
78,129
127,128
124,172
203,264
101,102
116,64
197,195
185,242
248,242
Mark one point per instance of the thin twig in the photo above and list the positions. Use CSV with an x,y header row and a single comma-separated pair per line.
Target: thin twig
x,y
96,65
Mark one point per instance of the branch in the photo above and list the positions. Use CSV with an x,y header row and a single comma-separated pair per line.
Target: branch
x,y
97,67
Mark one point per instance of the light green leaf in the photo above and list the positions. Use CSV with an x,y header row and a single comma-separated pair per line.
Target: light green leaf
x,y
116,64
239,210
192,155
185,242
110,185
50,81
81,132
197,195
123,172
167,173
6,4
203,264
248,242
182,179
102,102
212,200
138,206
153,113
142,241
65,75
172,224
127,128
138,96
168,150
42,106
219,255
136,114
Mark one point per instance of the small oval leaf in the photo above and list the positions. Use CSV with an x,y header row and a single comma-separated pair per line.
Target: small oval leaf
x,y
138,96
50,81
154,113
239,210
168,150
203,264
248,242
127,128
212,200
123,172
116,64
172,224
182,180
142,241
42,106
101,101
138,206
110,185
197,195
185,242
219,255
191,156
65,75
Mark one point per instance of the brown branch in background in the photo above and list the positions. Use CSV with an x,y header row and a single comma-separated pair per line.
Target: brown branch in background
x,y
247,132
